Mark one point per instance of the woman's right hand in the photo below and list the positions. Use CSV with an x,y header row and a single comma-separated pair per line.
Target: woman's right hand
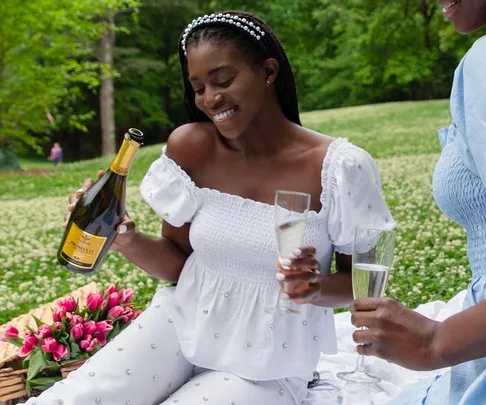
x,y
125,229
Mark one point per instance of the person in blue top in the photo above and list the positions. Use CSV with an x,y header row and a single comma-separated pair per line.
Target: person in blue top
x,y
395,332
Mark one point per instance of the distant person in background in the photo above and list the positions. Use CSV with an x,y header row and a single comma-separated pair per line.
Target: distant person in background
x,y
56,154
403,336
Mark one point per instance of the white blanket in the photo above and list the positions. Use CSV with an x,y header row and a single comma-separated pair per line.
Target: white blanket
x,y
333,391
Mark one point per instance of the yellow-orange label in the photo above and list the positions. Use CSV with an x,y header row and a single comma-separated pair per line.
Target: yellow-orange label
x,y
81,249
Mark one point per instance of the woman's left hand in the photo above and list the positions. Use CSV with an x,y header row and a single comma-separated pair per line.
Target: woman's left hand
x,y
301,275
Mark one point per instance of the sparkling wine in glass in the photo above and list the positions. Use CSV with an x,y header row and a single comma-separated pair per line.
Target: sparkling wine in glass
x,y
372,261
291,209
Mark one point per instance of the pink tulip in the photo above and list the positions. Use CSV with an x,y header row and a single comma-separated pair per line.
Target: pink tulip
x,y
114,299
44,331
104,326
58,314
60,352
30,339
25,350
127,315
58,325
76,319
111,289
69,303
100,337
10,333
77,331
89,327
94,301
115,312
49,344
127,295
136,315
89,344
30,342
84,344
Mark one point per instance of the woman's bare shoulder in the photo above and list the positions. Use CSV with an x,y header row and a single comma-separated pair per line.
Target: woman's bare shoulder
x,y
191,144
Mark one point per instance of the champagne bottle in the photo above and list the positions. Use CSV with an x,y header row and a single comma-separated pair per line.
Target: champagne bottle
x,y
91,228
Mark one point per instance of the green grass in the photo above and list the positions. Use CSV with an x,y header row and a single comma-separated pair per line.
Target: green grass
x,y
35,163
430,261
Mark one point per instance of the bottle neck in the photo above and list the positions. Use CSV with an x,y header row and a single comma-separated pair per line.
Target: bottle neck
x,y
124,159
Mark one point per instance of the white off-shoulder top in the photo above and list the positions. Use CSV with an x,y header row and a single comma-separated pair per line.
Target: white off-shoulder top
x,y
229,279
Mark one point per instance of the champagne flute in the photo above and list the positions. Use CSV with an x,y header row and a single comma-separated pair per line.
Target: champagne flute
x,y
372,260
291,209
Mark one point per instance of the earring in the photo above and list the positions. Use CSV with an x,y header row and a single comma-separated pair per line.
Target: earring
x,y
268,81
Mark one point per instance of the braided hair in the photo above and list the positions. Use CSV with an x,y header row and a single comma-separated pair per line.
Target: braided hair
x,y
257,51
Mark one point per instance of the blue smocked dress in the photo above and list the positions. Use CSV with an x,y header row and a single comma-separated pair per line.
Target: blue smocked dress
x,y
460,192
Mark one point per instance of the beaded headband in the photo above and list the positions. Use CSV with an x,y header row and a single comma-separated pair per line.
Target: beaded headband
x,y
241,23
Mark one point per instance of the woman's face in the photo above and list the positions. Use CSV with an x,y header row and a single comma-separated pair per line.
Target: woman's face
x,y
466,15
228,89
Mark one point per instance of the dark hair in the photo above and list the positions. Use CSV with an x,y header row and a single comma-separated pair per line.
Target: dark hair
x,y
257,51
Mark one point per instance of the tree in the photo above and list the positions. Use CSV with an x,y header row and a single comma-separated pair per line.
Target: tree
x,y
43,61
110,10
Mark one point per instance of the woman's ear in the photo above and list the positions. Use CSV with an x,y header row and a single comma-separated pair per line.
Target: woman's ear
x,y
270,67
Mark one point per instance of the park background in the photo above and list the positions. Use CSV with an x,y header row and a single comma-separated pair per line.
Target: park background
x,y
82,72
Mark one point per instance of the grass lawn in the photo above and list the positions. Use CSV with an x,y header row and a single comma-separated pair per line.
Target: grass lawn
x,y
430,263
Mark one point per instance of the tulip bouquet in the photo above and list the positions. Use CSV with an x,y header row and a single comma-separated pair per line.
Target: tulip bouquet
x,y
76,334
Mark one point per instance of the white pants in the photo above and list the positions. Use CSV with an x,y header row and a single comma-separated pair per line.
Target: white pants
x,y
144,365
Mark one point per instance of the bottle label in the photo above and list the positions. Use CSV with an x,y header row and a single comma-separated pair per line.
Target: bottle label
x,y
81,249
124,158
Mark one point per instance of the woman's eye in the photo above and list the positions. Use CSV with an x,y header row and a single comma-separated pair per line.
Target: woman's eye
x,y
226,83
199,91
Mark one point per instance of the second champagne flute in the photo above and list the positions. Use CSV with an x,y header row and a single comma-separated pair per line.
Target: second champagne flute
x,y
372,260
291,209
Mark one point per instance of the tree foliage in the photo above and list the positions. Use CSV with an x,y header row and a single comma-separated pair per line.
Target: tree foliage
x,y
342,53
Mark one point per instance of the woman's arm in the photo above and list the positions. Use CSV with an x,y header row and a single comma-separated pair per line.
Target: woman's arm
x,y
336,290
460,338
163,257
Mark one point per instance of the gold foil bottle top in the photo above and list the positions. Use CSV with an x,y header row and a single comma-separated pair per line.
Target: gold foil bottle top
x,y
126,154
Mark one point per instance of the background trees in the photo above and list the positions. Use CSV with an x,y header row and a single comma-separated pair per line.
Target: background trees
x,y
83,72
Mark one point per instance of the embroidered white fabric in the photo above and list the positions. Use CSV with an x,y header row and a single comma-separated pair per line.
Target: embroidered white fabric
x,y
225,285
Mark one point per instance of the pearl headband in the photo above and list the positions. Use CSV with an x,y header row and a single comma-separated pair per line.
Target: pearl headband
x,y
241,23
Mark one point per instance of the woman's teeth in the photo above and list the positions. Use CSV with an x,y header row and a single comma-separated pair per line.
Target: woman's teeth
x,y
451,5
224,114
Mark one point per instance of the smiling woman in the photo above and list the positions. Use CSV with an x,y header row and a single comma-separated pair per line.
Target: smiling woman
x,y
210,338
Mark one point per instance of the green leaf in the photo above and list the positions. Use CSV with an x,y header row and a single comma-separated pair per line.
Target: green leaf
x,y
74,349
114,332
38,322
43,383
16,342
36,364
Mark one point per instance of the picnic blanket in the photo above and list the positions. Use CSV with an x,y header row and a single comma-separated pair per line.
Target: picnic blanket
x,y
332,391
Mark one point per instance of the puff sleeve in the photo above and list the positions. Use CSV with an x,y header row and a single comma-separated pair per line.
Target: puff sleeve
x,y
170,192
355,197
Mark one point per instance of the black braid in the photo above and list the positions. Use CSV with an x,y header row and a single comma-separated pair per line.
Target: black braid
x,y
272,48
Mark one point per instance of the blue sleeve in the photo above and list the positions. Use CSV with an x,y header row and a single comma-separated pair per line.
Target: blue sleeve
x,y
475,105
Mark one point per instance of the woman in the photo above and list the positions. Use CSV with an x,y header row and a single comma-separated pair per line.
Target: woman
x,y
401,335
210,339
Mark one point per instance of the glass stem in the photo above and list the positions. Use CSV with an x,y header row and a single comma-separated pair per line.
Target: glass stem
x,y
360,361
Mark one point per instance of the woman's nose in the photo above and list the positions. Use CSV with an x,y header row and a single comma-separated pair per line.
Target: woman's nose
x,y
212,99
